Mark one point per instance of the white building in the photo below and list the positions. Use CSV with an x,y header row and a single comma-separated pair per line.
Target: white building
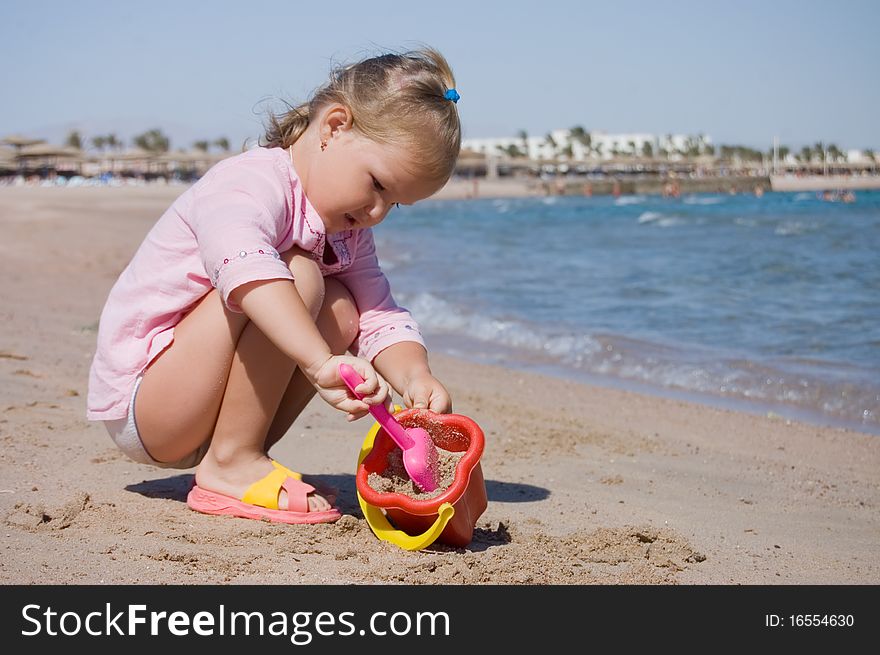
x,y
597,145
860,157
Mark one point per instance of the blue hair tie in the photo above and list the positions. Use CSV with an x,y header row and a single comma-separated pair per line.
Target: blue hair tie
x,y
452,94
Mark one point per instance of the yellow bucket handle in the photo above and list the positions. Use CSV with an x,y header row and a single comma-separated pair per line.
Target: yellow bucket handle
x,y
380,525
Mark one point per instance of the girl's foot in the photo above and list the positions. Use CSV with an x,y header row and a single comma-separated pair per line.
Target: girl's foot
x,y
235,475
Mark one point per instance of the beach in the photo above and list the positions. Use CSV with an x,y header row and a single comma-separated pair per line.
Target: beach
x,y
586,485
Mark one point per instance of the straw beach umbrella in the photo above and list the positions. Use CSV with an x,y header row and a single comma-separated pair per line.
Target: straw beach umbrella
x,y
193,160
7,160
20,141
135,158
46,155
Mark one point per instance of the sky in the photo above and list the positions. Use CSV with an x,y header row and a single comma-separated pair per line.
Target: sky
x,y
741,72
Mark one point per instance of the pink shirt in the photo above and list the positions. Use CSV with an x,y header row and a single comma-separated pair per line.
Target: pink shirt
x,y
224,231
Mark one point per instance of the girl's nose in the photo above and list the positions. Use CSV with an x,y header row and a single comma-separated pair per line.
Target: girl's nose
x,y
379,210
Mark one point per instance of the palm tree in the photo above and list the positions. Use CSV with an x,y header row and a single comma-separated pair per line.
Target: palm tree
x,y
579,134
550,141
511,151
99,142
835,153
647,149
74,140
524,137
153,141
113,142
201,145
222,143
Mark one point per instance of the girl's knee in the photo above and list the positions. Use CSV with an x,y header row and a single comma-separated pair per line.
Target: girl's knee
x,y
307,278
339,320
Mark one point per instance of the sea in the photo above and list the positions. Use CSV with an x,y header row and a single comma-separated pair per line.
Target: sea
x,y
769,305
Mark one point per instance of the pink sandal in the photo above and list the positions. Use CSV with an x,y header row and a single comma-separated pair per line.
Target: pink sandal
x,y
260,501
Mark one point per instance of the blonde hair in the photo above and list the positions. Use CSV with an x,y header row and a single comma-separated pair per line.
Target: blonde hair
x,y
394,99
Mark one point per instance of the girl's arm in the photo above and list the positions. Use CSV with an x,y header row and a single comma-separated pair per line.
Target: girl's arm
x,y
405,366
277,309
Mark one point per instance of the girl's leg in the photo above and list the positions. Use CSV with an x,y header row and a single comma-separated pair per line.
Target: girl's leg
x,y
233,462
221,379
338,322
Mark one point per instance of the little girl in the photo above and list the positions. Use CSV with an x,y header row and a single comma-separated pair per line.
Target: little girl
x,y
243,298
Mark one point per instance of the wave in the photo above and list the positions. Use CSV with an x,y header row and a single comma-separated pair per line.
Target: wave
x,y
446,317
795,228
501,205
702,200
648,217
629,200
691,369
661,220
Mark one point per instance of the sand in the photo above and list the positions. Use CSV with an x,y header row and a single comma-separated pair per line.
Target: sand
x,y
395,479
462,188
585,484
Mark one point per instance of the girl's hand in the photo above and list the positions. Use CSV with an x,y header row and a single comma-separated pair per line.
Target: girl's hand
x,y
426,392
332,389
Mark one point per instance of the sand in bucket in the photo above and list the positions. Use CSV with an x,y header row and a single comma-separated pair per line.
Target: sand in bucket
x,y
394,479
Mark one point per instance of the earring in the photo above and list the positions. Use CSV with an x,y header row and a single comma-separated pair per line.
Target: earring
x,y
323,146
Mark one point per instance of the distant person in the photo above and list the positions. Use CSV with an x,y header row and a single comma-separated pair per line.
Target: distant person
x,y
671,189
759,191
242,300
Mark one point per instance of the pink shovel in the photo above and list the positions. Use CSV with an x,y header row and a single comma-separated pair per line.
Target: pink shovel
x,y
419,452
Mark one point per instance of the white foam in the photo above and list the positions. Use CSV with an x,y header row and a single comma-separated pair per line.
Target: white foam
x,y
661,220
794,228
629,200
442,316
702,200
648,217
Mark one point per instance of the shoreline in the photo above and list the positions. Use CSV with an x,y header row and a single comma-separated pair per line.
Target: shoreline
x,y
761,408
459,346
459,188
163,195
586,484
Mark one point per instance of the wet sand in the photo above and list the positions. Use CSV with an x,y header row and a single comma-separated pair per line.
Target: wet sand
x,y
585,484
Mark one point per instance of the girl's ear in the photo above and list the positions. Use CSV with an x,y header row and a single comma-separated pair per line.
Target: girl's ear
x,y
337,118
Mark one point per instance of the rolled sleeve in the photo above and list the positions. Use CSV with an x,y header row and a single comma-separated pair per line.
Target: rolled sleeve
x,y
236,235
382,321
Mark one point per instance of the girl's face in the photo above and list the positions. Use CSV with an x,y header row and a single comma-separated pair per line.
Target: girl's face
x,y
354,182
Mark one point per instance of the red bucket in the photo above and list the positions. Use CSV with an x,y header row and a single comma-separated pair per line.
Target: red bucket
x,y
449,517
